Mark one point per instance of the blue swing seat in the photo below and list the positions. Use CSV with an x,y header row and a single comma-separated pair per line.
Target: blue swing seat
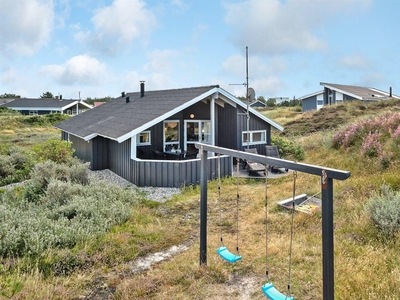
x,y
228,256
272,293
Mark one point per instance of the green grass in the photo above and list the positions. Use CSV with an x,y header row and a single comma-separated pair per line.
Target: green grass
x,y
367,264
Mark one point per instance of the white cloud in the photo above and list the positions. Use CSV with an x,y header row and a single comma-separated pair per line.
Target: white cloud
x,y
372,79
161,61
263,74
26,25
355,61
117,25
274,27
81,69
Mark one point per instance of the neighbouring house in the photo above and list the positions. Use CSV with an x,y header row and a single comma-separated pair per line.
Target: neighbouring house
x,y
339,93
149,137
97,103
42,106
258,104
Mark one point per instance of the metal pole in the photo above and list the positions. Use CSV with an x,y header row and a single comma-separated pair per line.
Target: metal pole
x,y
247,99
203,206
327,237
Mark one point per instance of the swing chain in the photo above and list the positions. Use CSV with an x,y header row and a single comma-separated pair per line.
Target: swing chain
x,y
291,230
266,223
237,205
219,199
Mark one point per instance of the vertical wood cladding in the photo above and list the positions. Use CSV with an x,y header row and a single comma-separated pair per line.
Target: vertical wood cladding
x,y
119,158
227,126
100,153
83,149
176,173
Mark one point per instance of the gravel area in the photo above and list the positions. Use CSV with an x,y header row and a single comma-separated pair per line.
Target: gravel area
x,y
159,194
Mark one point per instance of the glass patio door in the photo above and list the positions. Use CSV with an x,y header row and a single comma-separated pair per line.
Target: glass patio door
x,y
196,131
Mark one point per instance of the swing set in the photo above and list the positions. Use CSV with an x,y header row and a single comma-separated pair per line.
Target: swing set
x,y
327,175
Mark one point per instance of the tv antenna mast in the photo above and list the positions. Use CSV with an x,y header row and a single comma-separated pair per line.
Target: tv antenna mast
x,y
250,97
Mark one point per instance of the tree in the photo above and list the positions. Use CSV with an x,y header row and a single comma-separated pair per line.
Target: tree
x,y
47,95
271,102
11,96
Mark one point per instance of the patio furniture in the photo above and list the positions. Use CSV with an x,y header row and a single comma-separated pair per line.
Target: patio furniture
x,y
253,166
272,150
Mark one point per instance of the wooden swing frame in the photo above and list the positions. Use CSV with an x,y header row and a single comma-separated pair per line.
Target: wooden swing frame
x,y
327,175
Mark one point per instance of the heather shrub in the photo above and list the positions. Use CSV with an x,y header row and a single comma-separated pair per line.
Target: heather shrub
x,y
378,137
384,210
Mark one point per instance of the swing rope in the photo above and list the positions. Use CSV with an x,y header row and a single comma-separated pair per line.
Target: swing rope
x,y
222,250
269,290
266,222
237,206
291,230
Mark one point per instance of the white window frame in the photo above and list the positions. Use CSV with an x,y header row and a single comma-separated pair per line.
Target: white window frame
x,y
174,143
251,142
33,112
144,143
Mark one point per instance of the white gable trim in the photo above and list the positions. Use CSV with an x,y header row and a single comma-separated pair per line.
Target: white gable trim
x,y
252,110
341,91
311,95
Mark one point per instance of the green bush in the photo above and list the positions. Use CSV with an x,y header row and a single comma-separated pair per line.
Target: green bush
x,y
55,150
384,209
288,149
56,211
6,166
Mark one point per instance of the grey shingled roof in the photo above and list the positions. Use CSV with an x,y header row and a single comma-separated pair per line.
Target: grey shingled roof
x,y
362,93
117,118
39,102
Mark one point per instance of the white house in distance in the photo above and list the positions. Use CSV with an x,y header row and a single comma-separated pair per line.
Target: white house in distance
x,y
339,93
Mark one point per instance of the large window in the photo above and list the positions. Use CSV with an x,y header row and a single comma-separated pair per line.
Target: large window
x,y
144,138
171,134
254,137
197,131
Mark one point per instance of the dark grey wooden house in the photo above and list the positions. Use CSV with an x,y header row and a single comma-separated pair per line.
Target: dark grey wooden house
x,y
149,137
338,93
42,106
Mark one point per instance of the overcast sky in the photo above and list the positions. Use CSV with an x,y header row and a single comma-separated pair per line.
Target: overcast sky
x,y
100,48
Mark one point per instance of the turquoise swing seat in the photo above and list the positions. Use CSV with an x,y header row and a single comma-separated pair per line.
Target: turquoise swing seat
x,y
273,294
228,256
